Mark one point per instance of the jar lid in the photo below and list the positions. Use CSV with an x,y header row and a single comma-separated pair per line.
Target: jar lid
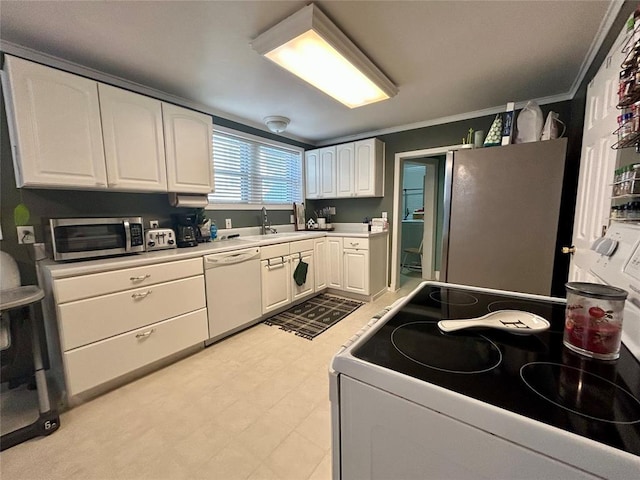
x,y
596,290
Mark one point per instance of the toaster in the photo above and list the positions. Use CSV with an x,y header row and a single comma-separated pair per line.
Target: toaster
x,y
160,239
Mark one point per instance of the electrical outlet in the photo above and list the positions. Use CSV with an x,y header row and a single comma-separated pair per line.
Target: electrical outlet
x,y
292,219
26,234
384,214
154,223
227,223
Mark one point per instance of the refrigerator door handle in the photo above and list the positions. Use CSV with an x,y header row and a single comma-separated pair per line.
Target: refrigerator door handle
x,y
446,224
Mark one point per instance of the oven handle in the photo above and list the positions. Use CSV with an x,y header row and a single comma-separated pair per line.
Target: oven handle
x,y
127,235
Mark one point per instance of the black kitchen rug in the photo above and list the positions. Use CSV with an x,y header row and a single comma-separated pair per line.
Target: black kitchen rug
x,y
309,319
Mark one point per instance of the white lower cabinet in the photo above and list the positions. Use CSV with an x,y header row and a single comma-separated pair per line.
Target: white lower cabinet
x,y
118,312
356,271
92,365
275,274
320,264
362,265
334,264
112,323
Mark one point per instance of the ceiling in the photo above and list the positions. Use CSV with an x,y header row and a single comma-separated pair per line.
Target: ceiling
x,y
447,58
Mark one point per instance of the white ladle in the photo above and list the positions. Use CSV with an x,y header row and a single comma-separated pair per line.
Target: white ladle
x,y
514,321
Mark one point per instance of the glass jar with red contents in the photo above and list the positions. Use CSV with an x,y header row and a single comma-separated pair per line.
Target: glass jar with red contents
x,y
593,319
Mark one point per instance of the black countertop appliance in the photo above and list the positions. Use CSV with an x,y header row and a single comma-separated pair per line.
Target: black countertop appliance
x,y
186,229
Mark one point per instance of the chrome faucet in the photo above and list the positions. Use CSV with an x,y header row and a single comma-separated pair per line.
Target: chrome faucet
x,y
266,225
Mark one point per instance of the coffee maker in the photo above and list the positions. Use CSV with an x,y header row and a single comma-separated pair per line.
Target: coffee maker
x,y
186,229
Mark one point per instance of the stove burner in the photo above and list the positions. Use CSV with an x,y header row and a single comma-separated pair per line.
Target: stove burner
x,y
580,392
423,343
453,297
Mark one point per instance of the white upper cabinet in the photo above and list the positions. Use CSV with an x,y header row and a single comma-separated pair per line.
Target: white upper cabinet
x,y
188,145
71,132
312,174
345,169
369,168
354,169
320,171
328,172
133,140
54,124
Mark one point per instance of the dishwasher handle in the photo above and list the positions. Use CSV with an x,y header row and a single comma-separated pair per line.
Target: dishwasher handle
x,y
230,258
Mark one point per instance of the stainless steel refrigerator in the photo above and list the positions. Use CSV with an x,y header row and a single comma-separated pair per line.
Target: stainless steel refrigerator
x,y
502,207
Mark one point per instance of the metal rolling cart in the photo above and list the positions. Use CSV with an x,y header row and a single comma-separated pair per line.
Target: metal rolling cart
x,y
48,420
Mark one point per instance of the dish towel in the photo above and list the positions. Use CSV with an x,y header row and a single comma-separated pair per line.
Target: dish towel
x,y
300,273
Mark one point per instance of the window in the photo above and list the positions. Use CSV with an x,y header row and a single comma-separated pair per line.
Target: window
x,y
251,171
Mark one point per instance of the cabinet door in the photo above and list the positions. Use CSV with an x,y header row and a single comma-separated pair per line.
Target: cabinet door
x,y
597,165
188,145
307,288
334,274
345,170
321,264
328,172
356,271
276,283
54,122
369,168
312,174
133,140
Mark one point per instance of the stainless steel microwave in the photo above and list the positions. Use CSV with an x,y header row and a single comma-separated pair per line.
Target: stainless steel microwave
x,y
83,238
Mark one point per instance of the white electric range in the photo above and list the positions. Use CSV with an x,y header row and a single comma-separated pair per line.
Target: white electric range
x,y
409,401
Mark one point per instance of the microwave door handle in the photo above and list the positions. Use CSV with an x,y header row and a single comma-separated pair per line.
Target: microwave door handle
x,y
127,235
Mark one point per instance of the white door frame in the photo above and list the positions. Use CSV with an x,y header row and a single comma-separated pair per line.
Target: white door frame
x,y
400,158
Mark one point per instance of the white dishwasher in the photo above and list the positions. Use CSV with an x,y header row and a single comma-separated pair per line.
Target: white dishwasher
x,y
233,291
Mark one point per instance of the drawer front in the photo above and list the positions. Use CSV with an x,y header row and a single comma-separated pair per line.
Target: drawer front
x,y
301,246
277,250
85,286
89,366
93,319
356,243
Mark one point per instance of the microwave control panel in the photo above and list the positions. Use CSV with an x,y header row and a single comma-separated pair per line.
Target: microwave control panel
x,y
137,237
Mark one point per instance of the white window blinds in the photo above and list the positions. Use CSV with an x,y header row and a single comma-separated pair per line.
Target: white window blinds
x,y
250,171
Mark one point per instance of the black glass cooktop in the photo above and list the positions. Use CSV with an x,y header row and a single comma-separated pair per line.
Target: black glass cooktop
x,y
532,375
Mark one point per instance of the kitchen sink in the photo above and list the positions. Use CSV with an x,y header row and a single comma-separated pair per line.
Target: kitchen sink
x,y
284,236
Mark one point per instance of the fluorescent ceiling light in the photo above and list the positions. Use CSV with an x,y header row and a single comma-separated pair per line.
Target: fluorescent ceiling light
x,y
310,46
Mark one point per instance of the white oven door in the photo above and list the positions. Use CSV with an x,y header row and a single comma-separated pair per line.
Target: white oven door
x,y
384,436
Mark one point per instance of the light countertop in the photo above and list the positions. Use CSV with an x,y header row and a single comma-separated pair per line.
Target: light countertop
x,y
69,269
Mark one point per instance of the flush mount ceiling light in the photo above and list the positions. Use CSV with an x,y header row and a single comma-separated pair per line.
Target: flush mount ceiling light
x,y
277,124
310,46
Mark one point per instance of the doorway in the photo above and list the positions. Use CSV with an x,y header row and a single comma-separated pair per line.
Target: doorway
x,y
431,161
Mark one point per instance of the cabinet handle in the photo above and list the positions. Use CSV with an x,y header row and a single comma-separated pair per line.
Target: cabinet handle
x,y
139,278
355,244
141,295
145,334
277,265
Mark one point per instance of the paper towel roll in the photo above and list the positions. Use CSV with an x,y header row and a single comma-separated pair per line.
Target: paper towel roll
x,y
188,200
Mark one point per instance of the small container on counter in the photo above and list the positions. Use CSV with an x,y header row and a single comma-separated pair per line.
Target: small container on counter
x,y
593,319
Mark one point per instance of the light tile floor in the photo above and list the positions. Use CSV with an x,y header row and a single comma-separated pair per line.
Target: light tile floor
x,y
253,406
